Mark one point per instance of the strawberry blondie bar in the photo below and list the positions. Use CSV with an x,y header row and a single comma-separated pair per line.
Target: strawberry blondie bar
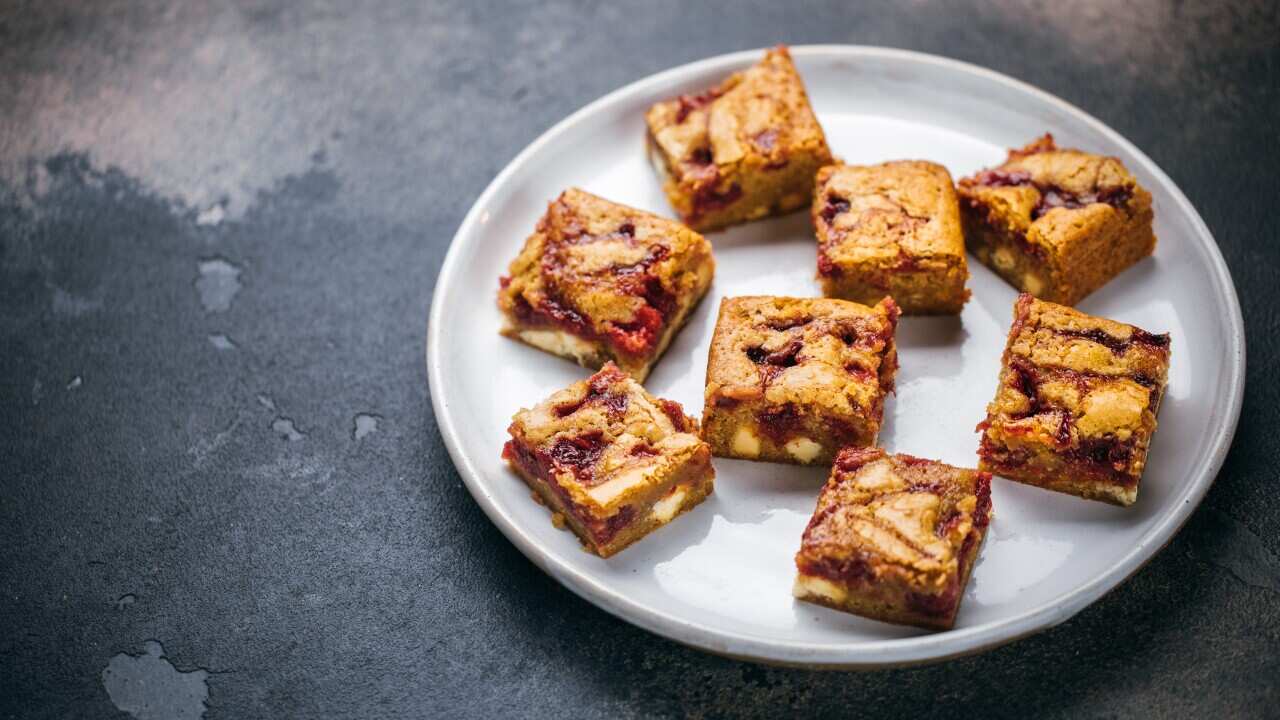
x,y
743,150
891,229
598,281
610,460
1057,223
894,538
796,379
1076,406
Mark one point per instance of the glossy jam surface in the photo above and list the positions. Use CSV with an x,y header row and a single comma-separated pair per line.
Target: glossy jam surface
x,y
1053,196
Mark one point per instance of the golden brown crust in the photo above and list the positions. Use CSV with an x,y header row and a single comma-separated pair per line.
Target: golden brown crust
x,y
894,537
796,379
615,461
600,281
1057,223
743,150
1076,406
891,229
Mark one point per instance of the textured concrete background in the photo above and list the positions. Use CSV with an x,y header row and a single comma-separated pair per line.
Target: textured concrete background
x,y
221,486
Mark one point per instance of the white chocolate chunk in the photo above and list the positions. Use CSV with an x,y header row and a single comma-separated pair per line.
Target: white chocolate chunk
x,y
745,443
667,507
1032,283
1115,409
878,477
803,449
1003,258
559,343
809,586
607,492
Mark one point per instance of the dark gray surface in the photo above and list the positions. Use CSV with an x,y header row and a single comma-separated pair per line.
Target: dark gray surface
x,y
159,498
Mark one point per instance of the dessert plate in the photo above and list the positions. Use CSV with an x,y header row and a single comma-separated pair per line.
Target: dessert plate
x,y
719,578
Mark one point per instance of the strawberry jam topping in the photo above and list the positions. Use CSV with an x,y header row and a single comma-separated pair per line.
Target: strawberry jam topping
x,y
851,459
604,531
982,511
641,334
689,103
643,449
848,570
578,454
1001,457
555,312
913,461
636,337
675,412
940,605
573,454
781,423
601,390
835,206
773,363
1118,345
708,199
1104,452
1052,196
701,171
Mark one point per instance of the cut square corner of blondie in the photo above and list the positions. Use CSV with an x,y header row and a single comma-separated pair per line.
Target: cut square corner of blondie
x,y
796,379
894,538
599,281
610,460
1076,404
743,150
891,229
1057,223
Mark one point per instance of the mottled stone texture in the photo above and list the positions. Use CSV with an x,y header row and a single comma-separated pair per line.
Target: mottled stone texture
x,y
286,177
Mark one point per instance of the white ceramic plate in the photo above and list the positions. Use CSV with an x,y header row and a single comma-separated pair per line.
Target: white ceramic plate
x,y
719,578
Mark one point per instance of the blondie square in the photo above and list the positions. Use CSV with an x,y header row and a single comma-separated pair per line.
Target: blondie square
x,y
894,538
610,460
1077,401
794,380
599,281
743,150
891,230
1057,223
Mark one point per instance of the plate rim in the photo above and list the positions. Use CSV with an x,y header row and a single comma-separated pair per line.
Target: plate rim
x,y
860,654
